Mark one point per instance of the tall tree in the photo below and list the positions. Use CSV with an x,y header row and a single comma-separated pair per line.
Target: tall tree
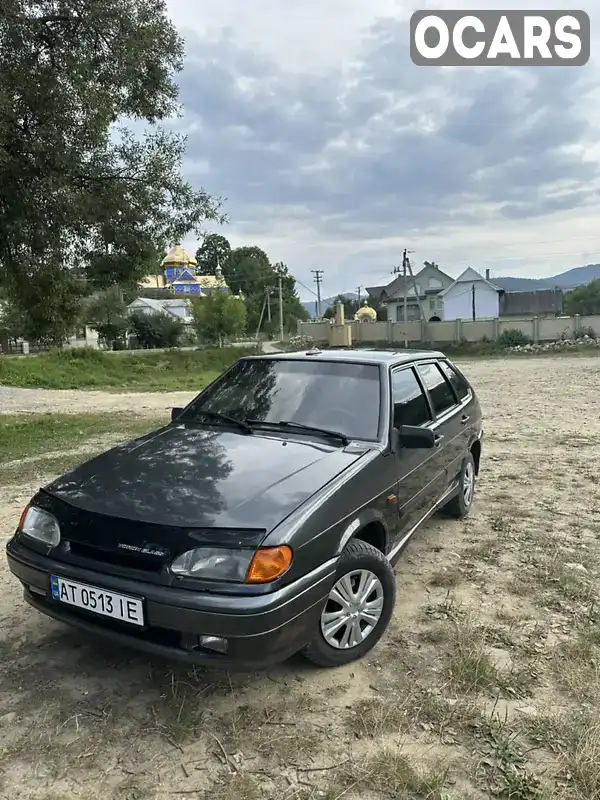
x,y
584,300
218,316
212,253
249,270
83,202
293,310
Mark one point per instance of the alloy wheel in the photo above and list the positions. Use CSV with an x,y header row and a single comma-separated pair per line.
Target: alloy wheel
x,y
468,486
353,609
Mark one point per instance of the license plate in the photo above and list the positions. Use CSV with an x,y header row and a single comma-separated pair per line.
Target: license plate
x,y
110,604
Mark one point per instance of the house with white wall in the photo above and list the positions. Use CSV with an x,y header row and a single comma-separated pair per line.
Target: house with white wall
x,y
471,296
179,308
421,292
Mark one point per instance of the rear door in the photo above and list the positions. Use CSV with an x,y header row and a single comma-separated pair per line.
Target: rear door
x,y
448,425
416,469
461,422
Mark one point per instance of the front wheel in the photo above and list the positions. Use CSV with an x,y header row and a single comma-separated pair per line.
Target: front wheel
x,y
358,608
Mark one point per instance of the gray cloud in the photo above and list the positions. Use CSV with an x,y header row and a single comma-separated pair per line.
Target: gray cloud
x,y
383,148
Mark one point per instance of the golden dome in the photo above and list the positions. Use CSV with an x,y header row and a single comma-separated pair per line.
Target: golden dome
x,y
178,257
366,313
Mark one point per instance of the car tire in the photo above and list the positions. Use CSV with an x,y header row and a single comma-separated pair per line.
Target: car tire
x,y
361,567
460,505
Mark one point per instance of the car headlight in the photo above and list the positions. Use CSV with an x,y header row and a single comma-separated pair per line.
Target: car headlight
x,y
40,525
213,563
239,566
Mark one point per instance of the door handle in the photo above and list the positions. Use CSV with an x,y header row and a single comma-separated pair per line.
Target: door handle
x,y
438,439
464,419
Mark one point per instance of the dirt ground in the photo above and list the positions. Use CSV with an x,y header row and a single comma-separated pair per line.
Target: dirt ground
x,y
486,685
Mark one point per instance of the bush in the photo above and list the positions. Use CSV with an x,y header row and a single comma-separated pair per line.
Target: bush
x,y
513,337
156,330
581,333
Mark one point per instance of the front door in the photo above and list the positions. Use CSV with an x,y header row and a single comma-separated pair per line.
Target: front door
x,y
448,426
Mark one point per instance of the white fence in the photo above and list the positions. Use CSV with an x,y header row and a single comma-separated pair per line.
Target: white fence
x,y
537,329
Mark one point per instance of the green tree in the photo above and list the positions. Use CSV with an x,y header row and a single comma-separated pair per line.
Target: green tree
x,y
249,270
157,329
85,204
13,324
218,316
107,314
350,307
212,253
584,300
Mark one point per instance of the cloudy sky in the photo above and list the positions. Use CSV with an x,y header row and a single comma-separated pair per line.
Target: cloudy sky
x,y
335,152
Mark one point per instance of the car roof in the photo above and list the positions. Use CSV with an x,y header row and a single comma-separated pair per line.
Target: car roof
x,y
386,358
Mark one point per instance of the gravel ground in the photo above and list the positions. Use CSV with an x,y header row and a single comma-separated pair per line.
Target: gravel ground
x,y
483,655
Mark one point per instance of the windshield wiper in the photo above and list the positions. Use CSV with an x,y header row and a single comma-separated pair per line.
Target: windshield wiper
x,y
239,423
301,427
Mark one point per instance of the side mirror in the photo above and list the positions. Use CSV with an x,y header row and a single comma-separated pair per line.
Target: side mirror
x,y
175,412
415,438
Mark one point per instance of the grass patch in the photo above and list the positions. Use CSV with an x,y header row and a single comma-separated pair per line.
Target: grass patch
x,y
447,578
23,436
44,468
502,768
575,739
550,577
392,775
470,667
576,662
188,370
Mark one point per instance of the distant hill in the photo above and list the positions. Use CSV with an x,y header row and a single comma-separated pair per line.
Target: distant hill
x,y
326,302
565,280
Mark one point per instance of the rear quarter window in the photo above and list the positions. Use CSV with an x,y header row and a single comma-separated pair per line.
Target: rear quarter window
x,y
458,383
440,391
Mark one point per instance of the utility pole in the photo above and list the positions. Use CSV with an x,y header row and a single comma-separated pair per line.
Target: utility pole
x,y
414,283
318,273
269,305
358,288
473,301
262,312
405,315
280,308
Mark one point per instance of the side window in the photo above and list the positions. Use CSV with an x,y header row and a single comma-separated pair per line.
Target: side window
x,y
440,391
410,404
458,383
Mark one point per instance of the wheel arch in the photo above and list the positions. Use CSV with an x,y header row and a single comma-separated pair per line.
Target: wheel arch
x,y
475,450
368,526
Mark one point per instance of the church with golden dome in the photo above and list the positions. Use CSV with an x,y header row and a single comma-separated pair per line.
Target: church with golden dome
x,y
179,276
365,313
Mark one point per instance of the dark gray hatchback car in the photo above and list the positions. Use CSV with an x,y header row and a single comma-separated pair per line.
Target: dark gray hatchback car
x,y
266,518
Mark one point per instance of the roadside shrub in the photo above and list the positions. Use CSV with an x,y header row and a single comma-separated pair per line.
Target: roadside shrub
x,y
297,343
581,333
513,337
156,330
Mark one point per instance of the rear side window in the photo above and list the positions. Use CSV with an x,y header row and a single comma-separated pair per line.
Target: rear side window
x,y
458,383
410,404
440,391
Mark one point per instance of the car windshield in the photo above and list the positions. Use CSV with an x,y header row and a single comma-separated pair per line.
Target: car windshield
x,y
330,395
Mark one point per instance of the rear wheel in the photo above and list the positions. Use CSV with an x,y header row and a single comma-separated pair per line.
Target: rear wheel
x,y
358,608
460,505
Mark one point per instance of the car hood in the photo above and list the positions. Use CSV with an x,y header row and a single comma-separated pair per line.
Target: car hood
x,y
184,475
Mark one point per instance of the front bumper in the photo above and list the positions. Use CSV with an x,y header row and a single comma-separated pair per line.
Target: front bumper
x,y
261,630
